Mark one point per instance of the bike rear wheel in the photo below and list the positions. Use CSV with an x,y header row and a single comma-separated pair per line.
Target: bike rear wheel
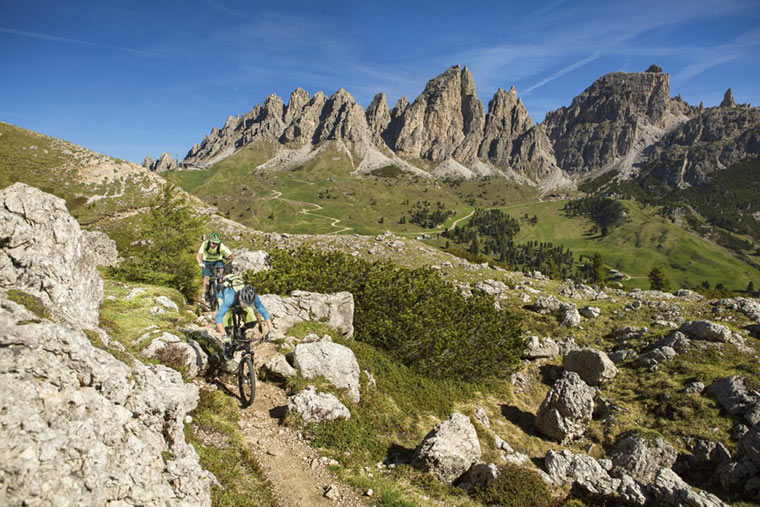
x,y
246,380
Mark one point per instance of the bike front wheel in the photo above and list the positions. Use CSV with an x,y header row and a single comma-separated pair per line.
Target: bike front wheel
x,y
213,295
246,381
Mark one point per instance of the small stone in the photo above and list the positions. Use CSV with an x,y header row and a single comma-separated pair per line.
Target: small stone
x,y
369,492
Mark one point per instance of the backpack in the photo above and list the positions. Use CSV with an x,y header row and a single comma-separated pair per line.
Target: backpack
x,y
234,282
218,247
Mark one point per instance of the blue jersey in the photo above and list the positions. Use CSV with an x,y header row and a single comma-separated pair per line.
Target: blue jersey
x,y
229,300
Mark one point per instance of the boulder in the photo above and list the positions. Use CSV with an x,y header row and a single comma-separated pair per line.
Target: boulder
x,y
538,348
250,260
167,303
336,310
590,312
750,445
706,330
333,361
655,357
738,477
279,367
593,366
546,305
668,488
43,251
479,474
642,457
737,398
188,354
571,318
482,417
317,407
694,387
491,287
102,248
567,409
591,475
81,427
449,450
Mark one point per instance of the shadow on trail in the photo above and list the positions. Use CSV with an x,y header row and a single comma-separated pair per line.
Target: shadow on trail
x,y
279,413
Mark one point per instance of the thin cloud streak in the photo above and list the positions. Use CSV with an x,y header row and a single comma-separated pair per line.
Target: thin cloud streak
x,y
564,71
56,38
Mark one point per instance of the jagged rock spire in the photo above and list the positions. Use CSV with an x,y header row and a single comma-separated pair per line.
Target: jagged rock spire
x,y
728,99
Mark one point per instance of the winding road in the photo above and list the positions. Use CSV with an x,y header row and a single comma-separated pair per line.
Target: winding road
x,y
334,221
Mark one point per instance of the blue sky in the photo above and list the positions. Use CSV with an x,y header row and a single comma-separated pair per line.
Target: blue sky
x,y
130,78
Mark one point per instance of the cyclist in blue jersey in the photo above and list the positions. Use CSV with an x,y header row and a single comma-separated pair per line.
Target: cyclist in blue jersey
x,y
238,294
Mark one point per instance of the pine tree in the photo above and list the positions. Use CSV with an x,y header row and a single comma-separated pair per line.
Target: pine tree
x,y
597,269
750,287
166,255
658,280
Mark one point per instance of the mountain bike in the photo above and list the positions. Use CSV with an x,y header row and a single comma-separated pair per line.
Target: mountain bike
x,y
215,285
246,374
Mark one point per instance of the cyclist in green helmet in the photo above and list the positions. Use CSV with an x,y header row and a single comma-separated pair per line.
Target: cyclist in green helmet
x,y
211,255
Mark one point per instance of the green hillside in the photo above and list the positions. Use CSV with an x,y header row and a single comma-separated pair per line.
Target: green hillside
x,y
325,188
323,197
94,186
644,240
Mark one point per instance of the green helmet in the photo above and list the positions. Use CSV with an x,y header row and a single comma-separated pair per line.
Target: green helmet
x,y
215,237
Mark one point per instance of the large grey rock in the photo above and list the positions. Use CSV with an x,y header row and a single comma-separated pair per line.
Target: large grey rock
x,y
449,450
81,427
571,318
546,305
479,474
592,365
491,287
253,260
189,354
333,361
167,303
669,489
44,251
710,331
590,312
538,348
565,467
655,356
750,445
737,398
102,248
642,457
317,407
335,310
280,367
738,477
567,409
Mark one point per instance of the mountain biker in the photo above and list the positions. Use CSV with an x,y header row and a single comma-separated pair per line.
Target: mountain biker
x,y
238,294
211,255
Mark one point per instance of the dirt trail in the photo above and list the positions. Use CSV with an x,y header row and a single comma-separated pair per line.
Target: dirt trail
x,y
333,221
298,473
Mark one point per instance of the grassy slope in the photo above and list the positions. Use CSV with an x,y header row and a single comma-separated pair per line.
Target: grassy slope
x,y
73,174
643,241
236,188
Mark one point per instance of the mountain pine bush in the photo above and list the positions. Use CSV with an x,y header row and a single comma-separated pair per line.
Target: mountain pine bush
x,y
413,314
515,486
168,241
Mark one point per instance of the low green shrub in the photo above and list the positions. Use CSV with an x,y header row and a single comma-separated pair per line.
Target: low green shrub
x,y
418,317
515,486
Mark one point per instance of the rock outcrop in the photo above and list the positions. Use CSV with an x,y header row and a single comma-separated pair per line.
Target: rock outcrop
x,y
164,163
593,366
642,457
332,361
317,407
449,450
335,310
46,253
79,425
604,122
567,409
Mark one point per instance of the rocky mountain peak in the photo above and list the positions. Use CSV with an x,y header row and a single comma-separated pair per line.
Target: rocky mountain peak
x,y
603,123
728,99
443,121
378,118
506,120
298,100
343,118
164,163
